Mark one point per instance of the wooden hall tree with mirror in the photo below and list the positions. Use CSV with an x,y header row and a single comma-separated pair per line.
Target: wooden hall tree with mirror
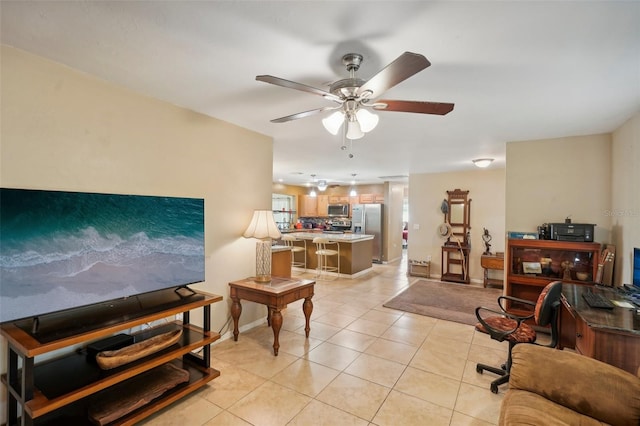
x,y
455,251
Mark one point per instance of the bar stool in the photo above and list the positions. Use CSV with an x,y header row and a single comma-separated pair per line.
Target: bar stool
x,y
323,253
289,241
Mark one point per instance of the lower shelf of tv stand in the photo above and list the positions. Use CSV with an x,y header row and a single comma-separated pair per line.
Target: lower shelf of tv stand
x,y
73,377
76,413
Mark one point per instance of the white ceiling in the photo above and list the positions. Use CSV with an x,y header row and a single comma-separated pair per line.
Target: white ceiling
x,y
516,70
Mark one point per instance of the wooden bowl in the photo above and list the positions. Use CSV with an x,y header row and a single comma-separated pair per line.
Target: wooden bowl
x,y
582,276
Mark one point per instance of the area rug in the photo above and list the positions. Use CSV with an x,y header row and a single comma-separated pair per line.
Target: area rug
x,y
448,301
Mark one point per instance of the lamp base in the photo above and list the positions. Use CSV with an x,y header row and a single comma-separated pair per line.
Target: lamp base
x,y
263,261
264,279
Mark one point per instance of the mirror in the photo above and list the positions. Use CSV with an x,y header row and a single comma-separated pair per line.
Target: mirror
x,y
456,214
459,215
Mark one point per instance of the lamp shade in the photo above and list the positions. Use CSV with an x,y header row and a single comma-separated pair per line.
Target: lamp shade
x,y
333,122
262,226
367,120
353,130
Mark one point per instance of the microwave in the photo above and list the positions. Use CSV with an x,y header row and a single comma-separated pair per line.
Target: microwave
x,y
335,210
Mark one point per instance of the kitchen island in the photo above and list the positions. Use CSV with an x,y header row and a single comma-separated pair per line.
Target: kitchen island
x,y
355,251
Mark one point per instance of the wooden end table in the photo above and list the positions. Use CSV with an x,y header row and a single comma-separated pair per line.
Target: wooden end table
x,y
489,261
276,295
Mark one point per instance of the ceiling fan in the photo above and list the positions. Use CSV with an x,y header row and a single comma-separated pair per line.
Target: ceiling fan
x,y
355,96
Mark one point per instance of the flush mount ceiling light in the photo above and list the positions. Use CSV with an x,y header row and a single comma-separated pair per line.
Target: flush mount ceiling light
x,y
482,162
322,185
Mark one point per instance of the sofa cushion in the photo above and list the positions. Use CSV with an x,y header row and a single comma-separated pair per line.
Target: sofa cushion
x,y
582,384
521,408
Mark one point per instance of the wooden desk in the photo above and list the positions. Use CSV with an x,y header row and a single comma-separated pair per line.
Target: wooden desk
x,y
612,336
489,261
276,295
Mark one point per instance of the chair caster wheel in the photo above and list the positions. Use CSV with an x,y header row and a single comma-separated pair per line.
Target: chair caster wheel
x,y
494,388
479,369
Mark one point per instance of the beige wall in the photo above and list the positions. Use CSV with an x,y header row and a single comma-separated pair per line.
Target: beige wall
x,y
599,186
624,210
392,227
65,130
592,179
548,180
426,191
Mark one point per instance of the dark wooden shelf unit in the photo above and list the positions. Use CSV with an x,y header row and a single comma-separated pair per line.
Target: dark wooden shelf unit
x,y
58,391
455,264
550,254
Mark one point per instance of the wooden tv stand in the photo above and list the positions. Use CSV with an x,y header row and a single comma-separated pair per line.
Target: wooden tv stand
x,y
59,391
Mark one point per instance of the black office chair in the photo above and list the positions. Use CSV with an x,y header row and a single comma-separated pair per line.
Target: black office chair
x,y
512,328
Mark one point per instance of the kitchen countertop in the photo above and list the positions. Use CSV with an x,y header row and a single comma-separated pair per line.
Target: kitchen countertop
x,y
278,248
341,238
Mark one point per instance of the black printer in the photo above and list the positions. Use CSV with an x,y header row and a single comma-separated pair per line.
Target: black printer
x,y
582,232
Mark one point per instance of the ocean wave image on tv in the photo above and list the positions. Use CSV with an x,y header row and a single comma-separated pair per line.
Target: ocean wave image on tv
x,y
60,250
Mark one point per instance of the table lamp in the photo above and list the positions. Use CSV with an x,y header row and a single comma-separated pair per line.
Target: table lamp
x,y
264,228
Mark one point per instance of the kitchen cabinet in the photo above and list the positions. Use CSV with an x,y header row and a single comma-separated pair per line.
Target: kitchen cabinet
x,y
308,206
532,264
61,390
338,199
314,206
323,205
366,198
371,198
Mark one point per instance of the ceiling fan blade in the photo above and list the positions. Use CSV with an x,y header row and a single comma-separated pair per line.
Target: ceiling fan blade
x,y
397,71
303,114
297,86
437,108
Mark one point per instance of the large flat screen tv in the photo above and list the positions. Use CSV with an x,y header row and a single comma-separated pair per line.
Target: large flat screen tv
x,y
62,250
636,266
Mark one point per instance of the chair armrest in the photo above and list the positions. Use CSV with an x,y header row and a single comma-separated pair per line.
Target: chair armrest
x,y
582,384
496,334
514,299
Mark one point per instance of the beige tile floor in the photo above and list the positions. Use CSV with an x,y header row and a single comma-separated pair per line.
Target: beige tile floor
x,y
362,364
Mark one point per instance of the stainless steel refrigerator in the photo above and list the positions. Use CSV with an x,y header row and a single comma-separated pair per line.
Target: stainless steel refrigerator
x,y
367,219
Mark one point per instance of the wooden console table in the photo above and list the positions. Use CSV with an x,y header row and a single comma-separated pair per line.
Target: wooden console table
x,y
276,295
608,335
490,261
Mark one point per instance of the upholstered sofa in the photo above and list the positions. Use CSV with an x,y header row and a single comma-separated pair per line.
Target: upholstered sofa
x,y
553,387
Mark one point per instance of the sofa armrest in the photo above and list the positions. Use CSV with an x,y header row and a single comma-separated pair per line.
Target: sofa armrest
x,y
580,383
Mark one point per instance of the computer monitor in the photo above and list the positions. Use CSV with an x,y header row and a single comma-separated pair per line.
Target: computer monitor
x,y
636,267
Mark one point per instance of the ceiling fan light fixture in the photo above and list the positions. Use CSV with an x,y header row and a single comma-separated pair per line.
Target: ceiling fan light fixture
x,y
482,162
333,122
367,120
322,185
353,130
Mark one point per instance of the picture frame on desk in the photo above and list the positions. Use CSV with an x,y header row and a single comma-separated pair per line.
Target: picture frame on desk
x,y
531,268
